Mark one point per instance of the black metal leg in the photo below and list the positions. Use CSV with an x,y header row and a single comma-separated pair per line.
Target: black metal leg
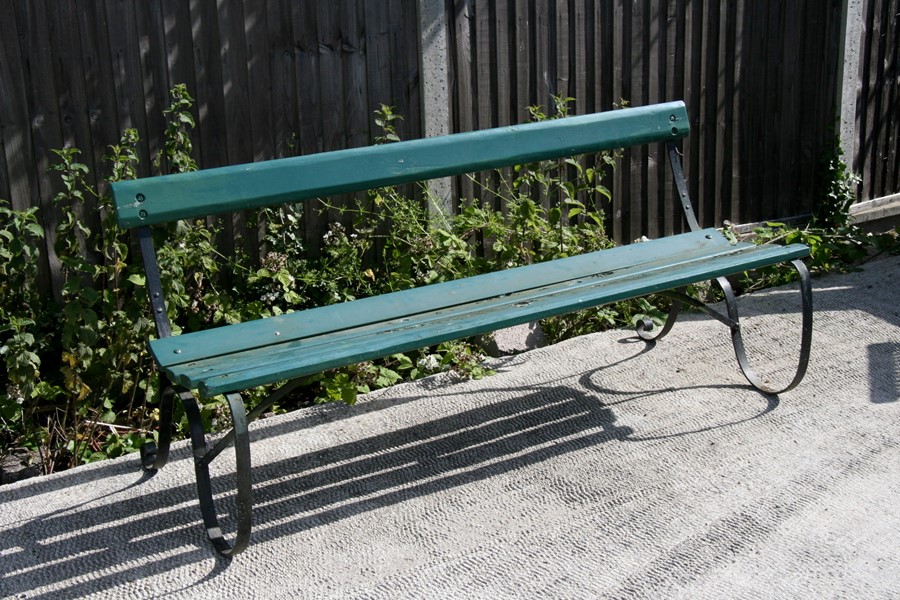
x,y
805,336
645,326
154,455
202,459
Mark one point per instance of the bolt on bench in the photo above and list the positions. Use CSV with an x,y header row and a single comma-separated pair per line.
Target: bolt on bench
x,y
238,357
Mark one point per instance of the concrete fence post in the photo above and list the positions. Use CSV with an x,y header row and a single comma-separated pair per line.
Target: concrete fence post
x,y
433,71
873,214
852,26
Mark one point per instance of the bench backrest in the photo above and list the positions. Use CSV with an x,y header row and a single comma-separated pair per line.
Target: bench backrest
x,y
212,191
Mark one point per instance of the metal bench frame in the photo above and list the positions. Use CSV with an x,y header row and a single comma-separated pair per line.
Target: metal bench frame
x,y
142,203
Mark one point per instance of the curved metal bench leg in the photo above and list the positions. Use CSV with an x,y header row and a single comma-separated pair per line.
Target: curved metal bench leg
x,y
805,336
155,454
645,326
202,459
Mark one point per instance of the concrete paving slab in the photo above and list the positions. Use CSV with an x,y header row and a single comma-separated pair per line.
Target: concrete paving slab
x,y
595,468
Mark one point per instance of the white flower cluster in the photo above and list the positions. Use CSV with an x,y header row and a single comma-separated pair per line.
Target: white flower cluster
x,y
13,391
430,363
335,231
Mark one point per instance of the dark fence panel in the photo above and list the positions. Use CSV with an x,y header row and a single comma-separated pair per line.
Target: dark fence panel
x,y
878,101
270,78
758,79
273,78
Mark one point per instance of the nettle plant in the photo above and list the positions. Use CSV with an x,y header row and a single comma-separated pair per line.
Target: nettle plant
x,y
22,308
78,382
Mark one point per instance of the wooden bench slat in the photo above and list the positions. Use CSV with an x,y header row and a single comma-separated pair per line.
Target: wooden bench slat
x,y
302,357
213,191
260,333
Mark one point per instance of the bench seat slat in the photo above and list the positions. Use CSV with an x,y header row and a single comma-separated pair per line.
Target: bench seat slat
x,y
293,326
296,358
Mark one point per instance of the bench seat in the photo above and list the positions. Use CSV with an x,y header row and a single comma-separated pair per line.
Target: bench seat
x,y
245,355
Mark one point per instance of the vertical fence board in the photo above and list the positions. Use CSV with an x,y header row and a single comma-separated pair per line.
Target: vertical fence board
x,y
733,170
356,101
561,57
603,28
154,68
892,184
283,98
788,197
404,63
259,80
99,83
541,40
21,187
305,21
880,106
582,72
709,144
45,132
235,81
654,19
505,54
485,67
525,52
873,97
633,89
331,83
128,83
464,113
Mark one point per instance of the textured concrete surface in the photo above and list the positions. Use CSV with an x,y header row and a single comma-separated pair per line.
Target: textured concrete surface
x,y
515,340
596,468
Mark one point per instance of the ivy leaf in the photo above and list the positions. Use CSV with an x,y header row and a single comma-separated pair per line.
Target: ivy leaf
x,y
138,280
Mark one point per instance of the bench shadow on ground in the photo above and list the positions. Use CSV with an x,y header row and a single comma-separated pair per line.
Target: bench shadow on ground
x,y
884,372
111,544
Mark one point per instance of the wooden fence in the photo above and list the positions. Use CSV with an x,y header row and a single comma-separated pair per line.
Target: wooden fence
x,y
758,79
276,77
270,79
877,157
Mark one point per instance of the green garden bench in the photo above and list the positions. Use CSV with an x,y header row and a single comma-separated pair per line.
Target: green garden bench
x,y
230,359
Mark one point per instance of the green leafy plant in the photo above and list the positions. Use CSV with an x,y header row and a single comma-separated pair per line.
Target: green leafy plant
x,y
177,146
21,307
78,382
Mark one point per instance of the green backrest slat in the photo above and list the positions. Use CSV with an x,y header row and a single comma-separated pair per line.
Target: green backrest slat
x,y
283,328
212,191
